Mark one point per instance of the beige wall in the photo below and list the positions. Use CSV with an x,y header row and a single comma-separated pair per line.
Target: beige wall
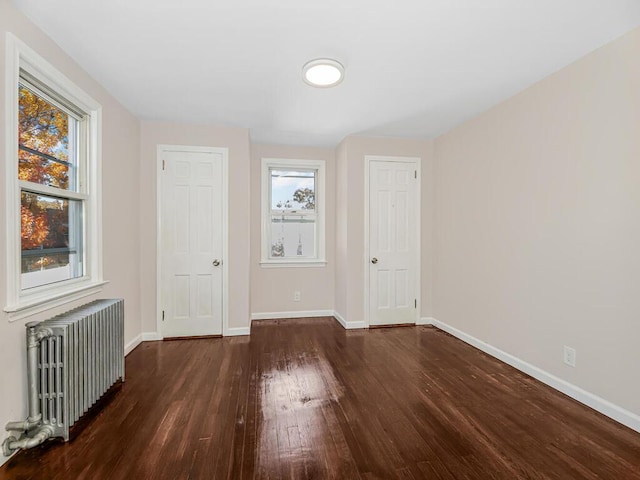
x,y
237,141
341,283
121,218
538,224
272,288
351,155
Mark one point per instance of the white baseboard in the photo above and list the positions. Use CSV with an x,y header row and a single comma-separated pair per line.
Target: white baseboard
x,y
599,404
143,337
309,313
4,459
348,325
151,336
356,325
156,336
129,347
301,314
237,331
425,321
340,319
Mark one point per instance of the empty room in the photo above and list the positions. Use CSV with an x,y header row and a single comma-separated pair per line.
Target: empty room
x,y
320,240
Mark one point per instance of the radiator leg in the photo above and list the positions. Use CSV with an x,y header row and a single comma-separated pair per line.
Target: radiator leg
x,y
12,444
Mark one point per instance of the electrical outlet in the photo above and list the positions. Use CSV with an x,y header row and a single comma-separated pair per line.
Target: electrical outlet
x,y
570,356
296,296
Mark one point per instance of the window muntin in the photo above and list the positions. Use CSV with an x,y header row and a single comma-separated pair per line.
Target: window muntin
x,y
51,233
47,141
293,219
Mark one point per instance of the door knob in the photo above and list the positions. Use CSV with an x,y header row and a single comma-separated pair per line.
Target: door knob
x,y
216,262
374,260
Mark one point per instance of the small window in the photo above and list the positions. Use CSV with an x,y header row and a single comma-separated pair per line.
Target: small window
x,y
53,202
293,209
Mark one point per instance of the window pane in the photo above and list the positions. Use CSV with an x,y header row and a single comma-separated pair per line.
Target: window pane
x,y
51,231
47,139
293,236
293,190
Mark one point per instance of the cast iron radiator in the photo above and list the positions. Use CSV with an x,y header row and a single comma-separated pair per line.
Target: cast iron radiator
x,y
72,360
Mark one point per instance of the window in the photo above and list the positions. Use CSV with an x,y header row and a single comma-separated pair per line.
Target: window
x,y
51,201
293,212
53,190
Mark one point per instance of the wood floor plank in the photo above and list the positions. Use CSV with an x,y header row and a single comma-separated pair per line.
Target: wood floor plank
x,y
306,399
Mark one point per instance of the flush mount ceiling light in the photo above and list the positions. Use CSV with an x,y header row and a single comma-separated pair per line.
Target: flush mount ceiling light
x,y
323,72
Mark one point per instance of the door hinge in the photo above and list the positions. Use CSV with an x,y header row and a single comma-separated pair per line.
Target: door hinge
x,y
163,315
163,164
415,174
415,303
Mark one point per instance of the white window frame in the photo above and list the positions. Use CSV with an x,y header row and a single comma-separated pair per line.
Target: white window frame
x,y
21,304
320,259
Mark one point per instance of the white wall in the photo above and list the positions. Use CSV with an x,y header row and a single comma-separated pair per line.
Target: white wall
x,y
350,239
237,141
120,197
538,224
272,288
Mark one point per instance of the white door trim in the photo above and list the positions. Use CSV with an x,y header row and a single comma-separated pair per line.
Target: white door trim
x,y
224,152
367,266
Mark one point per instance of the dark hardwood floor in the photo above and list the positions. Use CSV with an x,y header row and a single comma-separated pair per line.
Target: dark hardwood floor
x,y
306,399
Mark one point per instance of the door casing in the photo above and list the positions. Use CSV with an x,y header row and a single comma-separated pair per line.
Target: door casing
x,y
224,152
367,254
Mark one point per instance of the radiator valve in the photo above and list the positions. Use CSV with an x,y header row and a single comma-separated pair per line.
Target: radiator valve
x,y
11,444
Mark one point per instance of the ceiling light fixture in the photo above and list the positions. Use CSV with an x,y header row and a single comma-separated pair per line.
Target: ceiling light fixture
x,y
323,72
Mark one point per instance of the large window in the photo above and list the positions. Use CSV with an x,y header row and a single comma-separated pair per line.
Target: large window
x,y
51,201
53,197
293,212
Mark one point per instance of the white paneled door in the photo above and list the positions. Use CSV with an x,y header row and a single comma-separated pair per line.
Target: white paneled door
x,y
393,241
192,234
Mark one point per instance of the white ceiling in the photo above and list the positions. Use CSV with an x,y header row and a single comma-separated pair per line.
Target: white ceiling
x,y
414,68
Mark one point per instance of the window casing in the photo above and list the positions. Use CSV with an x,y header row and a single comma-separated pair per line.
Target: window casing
x,y
293,206
53,187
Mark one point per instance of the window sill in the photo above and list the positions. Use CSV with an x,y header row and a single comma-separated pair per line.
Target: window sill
x,y
293,264
41,303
